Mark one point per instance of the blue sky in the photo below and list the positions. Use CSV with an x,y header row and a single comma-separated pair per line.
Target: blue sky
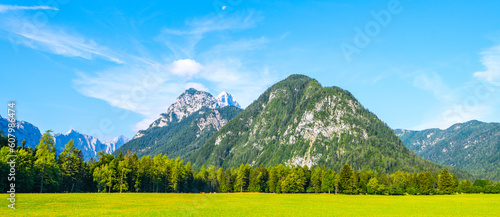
x,y
109,68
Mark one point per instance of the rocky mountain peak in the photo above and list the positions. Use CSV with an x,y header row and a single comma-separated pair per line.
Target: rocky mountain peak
x,y
189,102
227,99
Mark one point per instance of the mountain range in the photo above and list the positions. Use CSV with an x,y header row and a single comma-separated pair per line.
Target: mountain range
x,y
294,122
23,131
473,146
89,145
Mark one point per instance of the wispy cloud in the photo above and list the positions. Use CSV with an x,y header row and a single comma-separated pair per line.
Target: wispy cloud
x,y
478,99
137,89
432,82
182,42
7,8
491,61
149,86
54,40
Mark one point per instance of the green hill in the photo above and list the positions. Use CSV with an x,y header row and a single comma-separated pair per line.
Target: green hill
x,y
299,122
473,146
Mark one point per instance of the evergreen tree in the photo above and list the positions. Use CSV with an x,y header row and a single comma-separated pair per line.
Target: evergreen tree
x,y
293,184
25,170
465,186
446,183
242,179
46,162
425,184
70,161
328,181
316,179
347,182
124,169
100,176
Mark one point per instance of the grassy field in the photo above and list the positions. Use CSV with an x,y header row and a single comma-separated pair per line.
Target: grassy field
x,y
151,204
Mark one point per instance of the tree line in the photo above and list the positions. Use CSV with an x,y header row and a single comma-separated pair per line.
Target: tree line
x,y
41,170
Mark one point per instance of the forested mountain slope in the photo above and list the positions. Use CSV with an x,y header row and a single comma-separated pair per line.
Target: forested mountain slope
x,y
299,122
473,146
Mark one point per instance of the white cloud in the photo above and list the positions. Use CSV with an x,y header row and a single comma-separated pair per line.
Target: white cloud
x,y
148,87
476,100
6,8
55,40
491,61
185,67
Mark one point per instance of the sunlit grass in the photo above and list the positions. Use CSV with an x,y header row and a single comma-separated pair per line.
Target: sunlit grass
x,y
250,204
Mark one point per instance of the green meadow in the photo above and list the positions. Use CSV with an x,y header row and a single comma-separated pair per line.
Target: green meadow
x,y
250,204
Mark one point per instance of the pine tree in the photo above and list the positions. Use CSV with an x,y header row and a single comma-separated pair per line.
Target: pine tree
x,y
316,179
446,183
123,168
347,182
100,176
425,184
243,177
465,186
328,181
70,161
46,161
292,183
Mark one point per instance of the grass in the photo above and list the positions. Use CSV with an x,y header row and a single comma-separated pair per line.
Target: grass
x,y
249,204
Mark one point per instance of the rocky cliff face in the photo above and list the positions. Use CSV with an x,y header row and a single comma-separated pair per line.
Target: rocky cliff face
x,y
190,102
186,104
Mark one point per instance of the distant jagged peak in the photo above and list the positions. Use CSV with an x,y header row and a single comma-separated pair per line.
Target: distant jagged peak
x,y
73,133
118,139
71,130
226,99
